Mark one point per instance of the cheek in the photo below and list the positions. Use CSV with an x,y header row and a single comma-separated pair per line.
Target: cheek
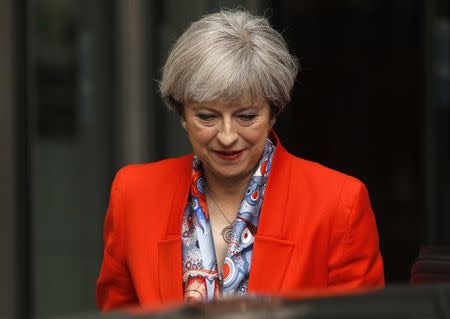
x,y
200,136
257,135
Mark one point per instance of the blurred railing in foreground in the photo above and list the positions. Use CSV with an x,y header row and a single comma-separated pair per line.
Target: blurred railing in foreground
x,y
418,302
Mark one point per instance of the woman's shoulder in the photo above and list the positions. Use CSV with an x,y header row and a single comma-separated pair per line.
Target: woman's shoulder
x,y
316,176
154,172
321,171
332,195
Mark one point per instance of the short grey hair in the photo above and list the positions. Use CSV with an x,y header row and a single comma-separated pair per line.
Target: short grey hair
x,y
229,55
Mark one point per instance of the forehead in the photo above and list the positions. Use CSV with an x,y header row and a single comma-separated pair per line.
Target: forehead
x,y
224,105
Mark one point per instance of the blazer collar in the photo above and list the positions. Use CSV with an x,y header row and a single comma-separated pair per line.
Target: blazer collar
x,y
270,251
275,197
170,268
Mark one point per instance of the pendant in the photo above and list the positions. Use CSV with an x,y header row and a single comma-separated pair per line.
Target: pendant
x,y
226,233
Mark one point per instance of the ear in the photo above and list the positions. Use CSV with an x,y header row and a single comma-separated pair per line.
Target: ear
x,y
183,122
272,121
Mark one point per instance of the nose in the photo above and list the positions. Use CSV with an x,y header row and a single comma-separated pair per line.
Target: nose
x,y
227,134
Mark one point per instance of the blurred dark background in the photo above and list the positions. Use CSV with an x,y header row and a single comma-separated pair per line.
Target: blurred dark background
x,y
78,100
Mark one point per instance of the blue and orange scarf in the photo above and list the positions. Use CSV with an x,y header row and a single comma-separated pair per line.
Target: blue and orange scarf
x,y
202,281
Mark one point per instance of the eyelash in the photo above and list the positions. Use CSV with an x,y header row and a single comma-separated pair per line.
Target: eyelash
x,y
247,117
210,117
206,117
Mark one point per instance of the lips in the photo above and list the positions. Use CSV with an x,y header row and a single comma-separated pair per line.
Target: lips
x,y
229,155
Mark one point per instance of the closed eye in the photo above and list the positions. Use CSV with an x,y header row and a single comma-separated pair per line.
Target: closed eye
x,y
247,117
206,117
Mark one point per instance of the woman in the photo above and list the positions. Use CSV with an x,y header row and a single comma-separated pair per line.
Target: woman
x,y
241,215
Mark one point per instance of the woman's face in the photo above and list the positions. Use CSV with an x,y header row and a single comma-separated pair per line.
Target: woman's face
x,y
228,137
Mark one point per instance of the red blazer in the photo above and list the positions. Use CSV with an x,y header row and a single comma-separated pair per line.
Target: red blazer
x,y
316,230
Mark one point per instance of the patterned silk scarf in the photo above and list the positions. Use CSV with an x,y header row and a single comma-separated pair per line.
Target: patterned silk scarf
x,y
202,281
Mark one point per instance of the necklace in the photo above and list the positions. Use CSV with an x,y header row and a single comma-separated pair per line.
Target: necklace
x,y
227,231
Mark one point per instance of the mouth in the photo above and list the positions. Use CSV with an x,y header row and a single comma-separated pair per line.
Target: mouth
x,y
229,155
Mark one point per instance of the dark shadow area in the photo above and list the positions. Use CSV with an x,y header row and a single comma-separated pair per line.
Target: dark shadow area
x,y
359,107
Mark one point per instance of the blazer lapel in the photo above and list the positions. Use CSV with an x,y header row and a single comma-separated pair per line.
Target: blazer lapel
x,y
170,270
271,252
270,259
169,249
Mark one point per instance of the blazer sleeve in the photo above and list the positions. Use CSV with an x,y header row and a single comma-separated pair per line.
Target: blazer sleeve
x,y
355,260
114,285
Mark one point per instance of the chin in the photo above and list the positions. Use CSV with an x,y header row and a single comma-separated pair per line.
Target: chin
x,y
231,172
232,175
